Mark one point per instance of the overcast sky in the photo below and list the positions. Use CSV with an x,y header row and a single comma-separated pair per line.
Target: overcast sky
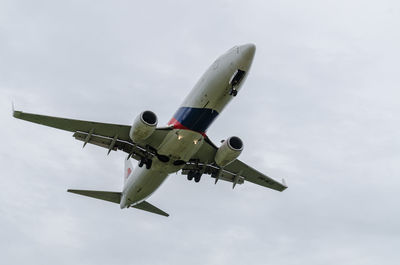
x,y
320,108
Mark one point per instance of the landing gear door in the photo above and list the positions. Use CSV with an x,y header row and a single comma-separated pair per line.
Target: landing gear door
x,y
235,81
237,77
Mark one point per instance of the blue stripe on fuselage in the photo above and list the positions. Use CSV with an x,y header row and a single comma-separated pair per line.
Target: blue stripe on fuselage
x,y
195,119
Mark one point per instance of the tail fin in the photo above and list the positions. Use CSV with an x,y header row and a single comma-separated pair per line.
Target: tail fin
x,y
128,169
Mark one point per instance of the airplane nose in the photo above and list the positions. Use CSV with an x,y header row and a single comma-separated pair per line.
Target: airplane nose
x,y
246,55
248,50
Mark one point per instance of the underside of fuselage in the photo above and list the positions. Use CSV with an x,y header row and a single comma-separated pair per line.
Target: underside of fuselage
x,y
190,122
179,146
218,85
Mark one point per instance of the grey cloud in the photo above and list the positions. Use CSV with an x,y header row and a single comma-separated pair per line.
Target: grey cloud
x,y
320,108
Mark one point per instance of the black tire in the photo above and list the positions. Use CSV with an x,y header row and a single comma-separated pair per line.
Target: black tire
x,y
149,162
191,175
234,93
141,163
197,177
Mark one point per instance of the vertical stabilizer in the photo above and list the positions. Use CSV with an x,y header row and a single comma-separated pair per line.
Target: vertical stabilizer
x,y
128,169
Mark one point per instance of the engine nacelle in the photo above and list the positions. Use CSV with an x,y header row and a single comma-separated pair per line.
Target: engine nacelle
x,y
228,151
143,126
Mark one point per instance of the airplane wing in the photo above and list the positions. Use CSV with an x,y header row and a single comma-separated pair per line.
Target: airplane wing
x,y
116,137
111,136
236,172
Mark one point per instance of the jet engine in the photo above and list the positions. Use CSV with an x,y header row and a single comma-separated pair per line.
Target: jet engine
x,y
228,151
143,126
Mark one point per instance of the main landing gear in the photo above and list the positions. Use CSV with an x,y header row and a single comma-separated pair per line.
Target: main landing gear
x,y
145,161
194,175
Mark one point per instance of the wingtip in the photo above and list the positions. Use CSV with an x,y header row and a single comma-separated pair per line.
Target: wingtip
x,y
285,186
284,182
12,108
15,114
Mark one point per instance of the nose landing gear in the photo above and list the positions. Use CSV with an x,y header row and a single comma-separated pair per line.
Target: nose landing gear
x,y
236,78
233,92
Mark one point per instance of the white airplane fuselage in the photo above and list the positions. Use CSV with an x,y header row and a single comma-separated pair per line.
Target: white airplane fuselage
x,y
200,108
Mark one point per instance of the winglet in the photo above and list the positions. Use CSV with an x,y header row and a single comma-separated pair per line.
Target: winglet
x,y
15,113
284,182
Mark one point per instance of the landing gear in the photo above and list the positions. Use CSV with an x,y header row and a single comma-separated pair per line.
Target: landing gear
x,y
149,163
194,175
197,177
145,161
141,162
233,92
235,81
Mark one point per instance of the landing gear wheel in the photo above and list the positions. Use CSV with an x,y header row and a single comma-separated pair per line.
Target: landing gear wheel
x,y
149,162
141,163
191,175
197,177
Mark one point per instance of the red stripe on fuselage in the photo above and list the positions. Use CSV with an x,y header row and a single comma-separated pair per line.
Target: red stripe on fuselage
x,y
178,125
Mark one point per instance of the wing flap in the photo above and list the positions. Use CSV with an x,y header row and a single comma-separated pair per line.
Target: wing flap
x,y
94,139
135,151
252,175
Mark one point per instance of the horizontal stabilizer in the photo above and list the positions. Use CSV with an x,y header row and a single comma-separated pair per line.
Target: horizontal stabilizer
x,y
145,206
116,198
102,195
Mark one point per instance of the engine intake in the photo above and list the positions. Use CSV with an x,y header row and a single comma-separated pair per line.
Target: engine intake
x,y
228,151
143,126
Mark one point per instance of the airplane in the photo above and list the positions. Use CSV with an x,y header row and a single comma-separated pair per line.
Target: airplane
x,y
182,145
